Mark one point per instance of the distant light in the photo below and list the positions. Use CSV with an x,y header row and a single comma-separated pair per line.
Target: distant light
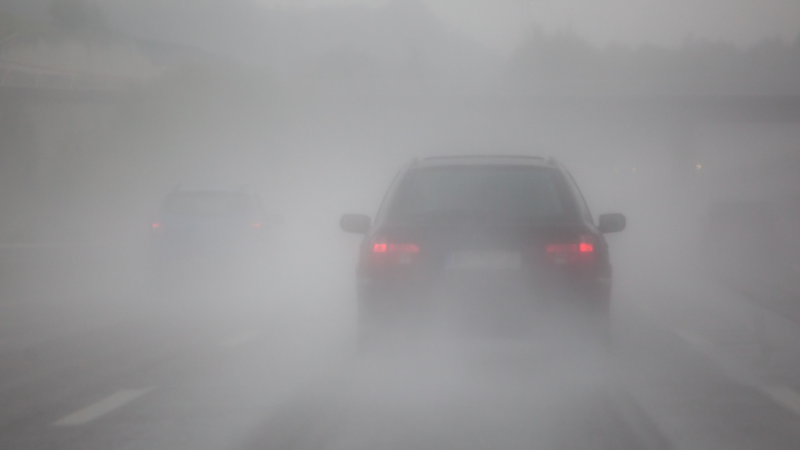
x,y
156,225
633,169
699,166
256,224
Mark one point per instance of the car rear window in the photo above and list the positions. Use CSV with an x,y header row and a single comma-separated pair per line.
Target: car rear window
x,y
494,192
207,203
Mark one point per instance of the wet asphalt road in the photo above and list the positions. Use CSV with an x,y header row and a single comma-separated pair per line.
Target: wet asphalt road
x,y
213,366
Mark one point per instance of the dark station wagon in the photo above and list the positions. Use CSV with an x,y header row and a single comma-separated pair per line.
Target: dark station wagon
x,y
480,233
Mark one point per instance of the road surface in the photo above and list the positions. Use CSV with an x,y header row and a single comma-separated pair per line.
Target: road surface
x,y
88,360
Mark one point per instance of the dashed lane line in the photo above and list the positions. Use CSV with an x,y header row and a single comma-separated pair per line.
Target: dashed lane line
x,y
784,396
101,408
640,423
696,341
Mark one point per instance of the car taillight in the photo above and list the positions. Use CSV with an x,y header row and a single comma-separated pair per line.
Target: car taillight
x,y
157,229
394,248
392,253
581,252
256,225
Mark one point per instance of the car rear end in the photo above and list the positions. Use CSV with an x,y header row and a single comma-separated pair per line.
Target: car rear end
x,y
204,227
486,237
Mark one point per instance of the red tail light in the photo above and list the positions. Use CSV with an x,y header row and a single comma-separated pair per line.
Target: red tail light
x,y
394,248
157,229
384,253
581,252
256,224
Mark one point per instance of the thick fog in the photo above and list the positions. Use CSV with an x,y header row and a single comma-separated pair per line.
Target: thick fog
x,y
689,126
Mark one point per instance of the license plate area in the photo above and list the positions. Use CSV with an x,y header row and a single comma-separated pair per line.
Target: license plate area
x,y
484,260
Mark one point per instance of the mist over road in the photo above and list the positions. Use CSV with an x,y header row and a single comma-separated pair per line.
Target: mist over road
x,y
213,365
129,321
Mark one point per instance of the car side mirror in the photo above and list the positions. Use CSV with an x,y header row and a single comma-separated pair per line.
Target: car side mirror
x,y
355,223
611,223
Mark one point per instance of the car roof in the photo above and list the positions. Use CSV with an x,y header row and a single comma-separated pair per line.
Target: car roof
x,y
483,160
209,190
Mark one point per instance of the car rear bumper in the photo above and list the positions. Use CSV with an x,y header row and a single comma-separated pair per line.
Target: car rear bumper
x,y
482,305
484,291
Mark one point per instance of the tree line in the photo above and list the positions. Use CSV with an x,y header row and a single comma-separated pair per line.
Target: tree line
x,y
565,63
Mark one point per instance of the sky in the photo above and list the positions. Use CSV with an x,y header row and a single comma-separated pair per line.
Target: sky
x,y
502,24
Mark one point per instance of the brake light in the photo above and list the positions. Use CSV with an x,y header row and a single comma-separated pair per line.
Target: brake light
x,y
583,247
581,252
156,229
382,247
388,254
256,224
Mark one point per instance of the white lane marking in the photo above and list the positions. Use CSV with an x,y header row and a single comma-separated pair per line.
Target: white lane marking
x,y
639,421
241,339
696,341
101,408
731,367
784,396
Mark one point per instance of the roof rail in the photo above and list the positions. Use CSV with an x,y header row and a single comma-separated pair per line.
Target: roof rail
x,y
484,156
541,158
